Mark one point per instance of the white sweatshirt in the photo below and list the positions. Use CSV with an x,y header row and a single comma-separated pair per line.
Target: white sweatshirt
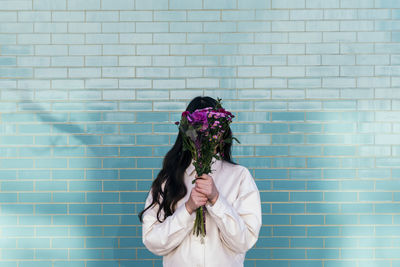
x,y
232,223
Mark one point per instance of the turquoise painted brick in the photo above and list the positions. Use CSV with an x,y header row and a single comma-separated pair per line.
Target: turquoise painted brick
x,y
305,174
111,231
101,129
299,242
67,174
305,150
17,49
51,253
17,117
287,139
346,263
386,208
123,254
129,220
102,197
35,197
286,208
51,163
16,186
308,263
306,196
339,173
323,162
101,220
130,242
272,242
153,140
322,185
275,220
8,61
17,232
377,219
53,231
323,231
84,185
68,197
118,140
118,209
101,174
323,253
120,185
272,151
288,185
255,162
179,4
78,231
307,220
289,231
17,209
8,174
289,162
69,220
79,163
118,162
9,243
133,197
8,197
149,162
68,243
334,242
103,264
84,208
340,196
105,151
274,196
322,208
259,253
144,185
357,230
135,174
91,253
16,254
51,208
341,219
117,5
359,208
271,173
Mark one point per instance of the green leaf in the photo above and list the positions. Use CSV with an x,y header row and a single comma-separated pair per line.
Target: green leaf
x,y
237,140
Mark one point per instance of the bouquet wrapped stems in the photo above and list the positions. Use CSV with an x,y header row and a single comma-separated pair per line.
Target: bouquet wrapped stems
x,y
203,131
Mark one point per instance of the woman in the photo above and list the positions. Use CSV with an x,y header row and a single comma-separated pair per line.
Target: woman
x,y
231,198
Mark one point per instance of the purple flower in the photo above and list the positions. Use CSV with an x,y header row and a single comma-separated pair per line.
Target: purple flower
x,y
199,116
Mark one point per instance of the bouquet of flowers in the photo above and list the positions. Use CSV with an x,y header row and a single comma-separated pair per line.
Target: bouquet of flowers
x,y
203,130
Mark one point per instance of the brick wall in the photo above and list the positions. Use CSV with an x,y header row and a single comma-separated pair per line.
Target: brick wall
x,y
89,91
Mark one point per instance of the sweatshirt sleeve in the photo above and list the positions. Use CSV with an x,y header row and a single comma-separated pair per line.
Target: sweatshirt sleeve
x,y
162,238
239,223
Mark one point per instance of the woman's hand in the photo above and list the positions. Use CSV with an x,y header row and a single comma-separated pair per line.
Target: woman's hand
x,y
195,200
205,184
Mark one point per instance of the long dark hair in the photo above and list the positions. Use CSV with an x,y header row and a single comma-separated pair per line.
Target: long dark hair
x,y
174,165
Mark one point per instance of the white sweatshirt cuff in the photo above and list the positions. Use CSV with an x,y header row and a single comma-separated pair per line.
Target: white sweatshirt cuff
x,y
219,206
183,216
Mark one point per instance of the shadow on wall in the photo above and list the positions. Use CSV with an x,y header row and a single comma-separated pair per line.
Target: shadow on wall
x,y
93,189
